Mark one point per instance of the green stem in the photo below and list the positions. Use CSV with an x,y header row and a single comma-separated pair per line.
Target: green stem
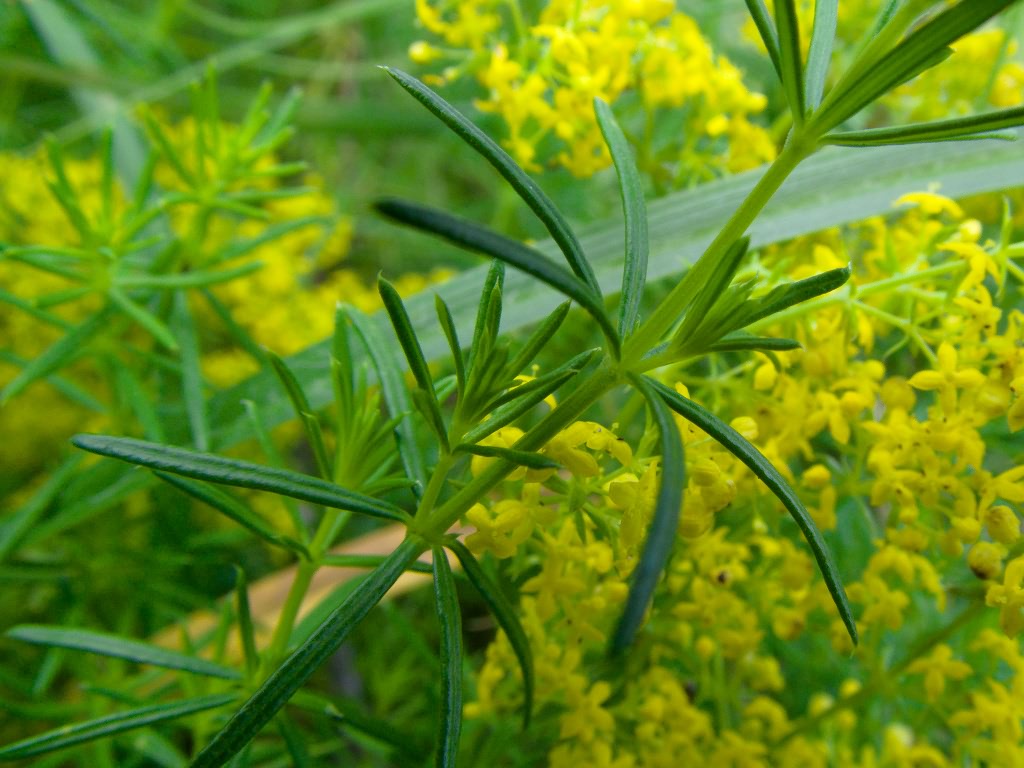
x,y
672,306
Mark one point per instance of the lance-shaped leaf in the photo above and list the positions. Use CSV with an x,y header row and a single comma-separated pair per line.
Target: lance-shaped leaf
x,y
743,450
392,385
505,614
243,614
790,65
444,317
57,355
232,508
241,474
277,689
955,129
103,644
449,616
536,341
524,186
184,328
661,535
819,56
714,290
474,237
314,435
785,296
90,730
198,279
634,271
522,458
765,28
544,382
367,561
153,324
739,341
494,281
920,50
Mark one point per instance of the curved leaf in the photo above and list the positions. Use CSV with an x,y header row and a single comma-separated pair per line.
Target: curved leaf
x,y
790,65
661,535
955,129
819,55
104,644
739,447
449,615
242,474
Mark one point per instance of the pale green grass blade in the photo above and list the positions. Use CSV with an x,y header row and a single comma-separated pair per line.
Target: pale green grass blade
x,y
826,13
104,644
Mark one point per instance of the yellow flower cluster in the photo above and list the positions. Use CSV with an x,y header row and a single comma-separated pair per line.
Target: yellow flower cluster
x,y
542,75
871,445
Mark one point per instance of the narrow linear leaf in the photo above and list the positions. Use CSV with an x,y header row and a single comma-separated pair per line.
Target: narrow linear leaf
x,y
522,458
304,413
198,279
524,186
102,727
741,342
57,355
294,741
661,535
474,237
191,371
146,319
241,474
790,66
505,614
449,616
823,35
634,209
541,335
965,128
407,338
713,290
444,317
788,295
431,412
103,644
277,689
743,450
763,21
921,49
494,281
19,522
396,395
368,561
233,509
246,631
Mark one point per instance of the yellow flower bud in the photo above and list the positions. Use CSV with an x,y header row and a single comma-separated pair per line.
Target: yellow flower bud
x,y
1002,524
986,560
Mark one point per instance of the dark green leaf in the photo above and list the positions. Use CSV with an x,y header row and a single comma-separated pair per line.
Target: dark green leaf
x,y
476,238
494,281
540,336
145,319
19,522
232,508
790,294
739,341
919,50
661,536
191,372
69,735
304,412
505,614
790,65
765,28
104,644
444,317
246,632
524,186
712,291
242,474
819,56
277,689
739,447
522,458
973,127
367,561
634,271
431,412
57,355
449,615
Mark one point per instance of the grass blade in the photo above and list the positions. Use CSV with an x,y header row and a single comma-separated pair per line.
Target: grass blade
x,y
306,659
449,615
524,186
743,450
505,614
661,535
103,644
102,727
765,28
790,66
958,128
241,474
231,508
634,209
474,237
819,56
